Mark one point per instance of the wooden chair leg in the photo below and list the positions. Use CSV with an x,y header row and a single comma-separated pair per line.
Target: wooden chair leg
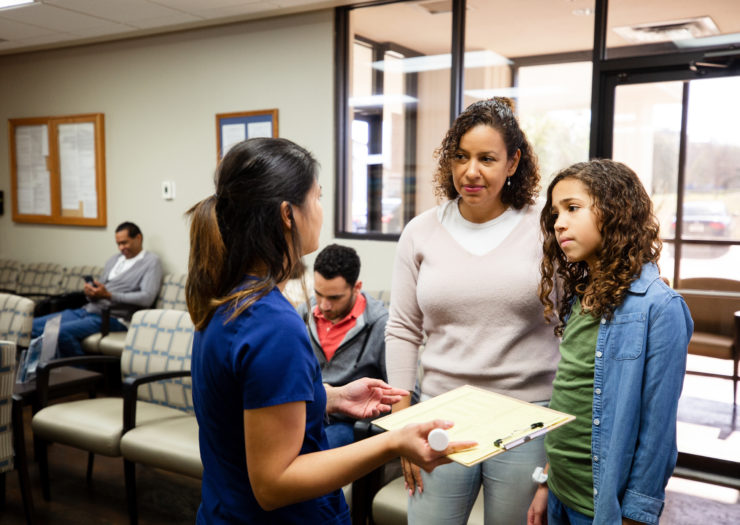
x,y
2,490
43,461
21,462
129,470
90,461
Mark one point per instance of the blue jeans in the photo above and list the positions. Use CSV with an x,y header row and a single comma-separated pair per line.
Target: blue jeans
x,y
559,514
450,490
340,433
75,326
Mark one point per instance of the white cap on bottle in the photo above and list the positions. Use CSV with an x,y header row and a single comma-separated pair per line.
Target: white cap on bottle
x,y
438,439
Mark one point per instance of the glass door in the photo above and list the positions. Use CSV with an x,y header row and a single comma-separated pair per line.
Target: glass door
x,y
680,135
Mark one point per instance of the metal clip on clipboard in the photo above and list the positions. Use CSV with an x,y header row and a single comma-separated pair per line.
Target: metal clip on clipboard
x,y
527,437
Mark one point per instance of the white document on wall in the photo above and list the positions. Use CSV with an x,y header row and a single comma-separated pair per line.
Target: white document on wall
x,y
259,129
31,150
232,134
77,167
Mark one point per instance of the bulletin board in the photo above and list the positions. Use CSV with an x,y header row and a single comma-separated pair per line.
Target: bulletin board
x,y
57,167
235,127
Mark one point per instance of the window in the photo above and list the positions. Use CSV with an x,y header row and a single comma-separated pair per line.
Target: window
x,y
648,137
397,110
399,97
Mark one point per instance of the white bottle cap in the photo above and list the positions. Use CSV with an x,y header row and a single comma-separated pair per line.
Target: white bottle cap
x,y
438,439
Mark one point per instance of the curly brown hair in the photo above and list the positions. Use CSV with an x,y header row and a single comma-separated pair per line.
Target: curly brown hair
x,y
496,112
630,238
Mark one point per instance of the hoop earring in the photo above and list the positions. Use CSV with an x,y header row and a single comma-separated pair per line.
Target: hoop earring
x,y
508,181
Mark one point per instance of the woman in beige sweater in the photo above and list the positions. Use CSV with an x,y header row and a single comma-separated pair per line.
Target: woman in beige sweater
x,y
465,279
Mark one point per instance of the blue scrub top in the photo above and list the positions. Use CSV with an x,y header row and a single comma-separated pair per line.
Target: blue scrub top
x,y
262,358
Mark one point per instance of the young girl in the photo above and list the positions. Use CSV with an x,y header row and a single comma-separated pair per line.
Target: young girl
x,y
257,388
623,351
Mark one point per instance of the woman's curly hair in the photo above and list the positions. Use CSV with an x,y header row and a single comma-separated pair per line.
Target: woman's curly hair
x,y
630,238
495,112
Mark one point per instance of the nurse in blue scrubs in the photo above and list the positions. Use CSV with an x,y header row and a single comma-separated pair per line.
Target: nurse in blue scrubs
x,y
257,388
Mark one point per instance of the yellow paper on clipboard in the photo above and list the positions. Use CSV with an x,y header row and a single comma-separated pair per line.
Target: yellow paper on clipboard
x,y
497,422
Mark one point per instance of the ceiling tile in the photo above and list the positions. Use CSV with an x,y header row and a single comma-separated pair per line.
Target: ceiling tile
x,y
173,19
51,17
193,6
13,30
236,10
104,29
116,10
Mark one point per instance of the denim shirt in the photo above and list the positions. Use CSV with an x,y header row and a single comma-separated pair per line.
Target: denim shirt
x,y
640,362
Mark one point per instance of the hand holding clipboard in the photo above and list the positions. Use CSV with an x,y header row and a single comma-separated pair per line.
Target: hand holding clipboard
x,y
497,422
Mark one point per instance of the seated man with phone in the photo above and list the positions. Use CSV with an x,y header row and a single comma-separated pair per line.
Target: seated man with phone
x,y
130,281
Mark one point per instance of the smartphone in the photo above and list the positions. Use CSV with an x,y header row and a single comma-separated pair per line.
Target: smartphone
x,y
88,279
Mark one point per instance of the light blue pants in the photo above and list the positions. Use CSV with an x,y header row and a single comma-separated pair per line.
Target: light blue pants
x,y
450,490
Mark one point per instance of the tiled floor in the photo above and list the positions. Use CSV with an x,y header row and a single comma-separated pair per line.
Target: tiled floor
x,y
705,425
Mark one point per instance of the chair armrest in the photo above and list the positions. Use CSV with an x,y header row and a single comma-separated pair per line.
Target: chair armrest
x,y
43,370
364,429
57,303
105,321
130,386
68,301
35,296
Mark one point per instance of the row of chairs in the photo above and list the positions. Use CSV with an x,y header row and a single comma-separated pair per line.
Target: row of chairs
x,y
54,287
152,423
42,280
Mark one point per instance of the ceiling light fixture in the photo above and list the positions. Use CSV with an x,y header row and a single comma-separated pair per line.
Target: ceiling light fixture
x,y
7,4
675,31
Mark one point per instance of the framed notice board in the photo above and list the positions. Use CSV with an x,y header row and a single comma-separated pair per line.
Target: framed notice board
x,y
235,127
57,170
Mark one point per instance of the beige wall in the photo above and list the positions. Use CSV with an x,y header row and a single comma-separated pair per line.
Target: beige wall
x,y
160,96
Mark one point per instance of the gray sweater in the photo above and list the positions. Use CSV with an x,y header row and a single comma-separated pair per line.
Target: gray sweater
x,y
362,351
134,289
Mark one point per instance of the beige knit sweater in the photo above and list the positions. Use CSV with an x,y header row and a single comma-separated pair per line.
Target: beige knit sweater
x,y
480,314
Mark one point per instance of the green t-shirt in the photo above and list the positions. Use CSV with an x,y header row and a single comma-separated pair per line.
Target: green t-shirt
x,y
568,448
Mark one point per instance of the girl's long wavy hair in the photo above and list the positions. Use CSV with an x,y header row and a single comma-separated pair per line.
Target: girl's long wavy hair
x,y
496,112
630,238
240,247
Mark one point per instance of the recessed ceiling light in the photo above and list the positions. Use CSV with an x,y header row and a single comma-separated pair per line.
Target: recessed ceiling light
x,y
4,4
585,11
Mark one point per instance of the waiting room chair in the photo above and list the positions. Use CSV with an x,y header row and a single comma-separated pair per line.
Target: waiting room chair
x,y
38,281
169,443
157,341
16,319
715,308
16,322
9,271
171,297
70,291
12,441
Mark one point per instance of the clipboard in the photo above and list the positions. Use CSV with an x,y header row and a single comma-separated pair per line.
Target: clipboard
x,y
497,422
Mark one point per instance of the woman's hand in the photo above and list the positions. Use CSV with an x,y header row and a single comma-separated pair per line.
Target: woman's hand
x,y
362,398
537,513
416,453
411,477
